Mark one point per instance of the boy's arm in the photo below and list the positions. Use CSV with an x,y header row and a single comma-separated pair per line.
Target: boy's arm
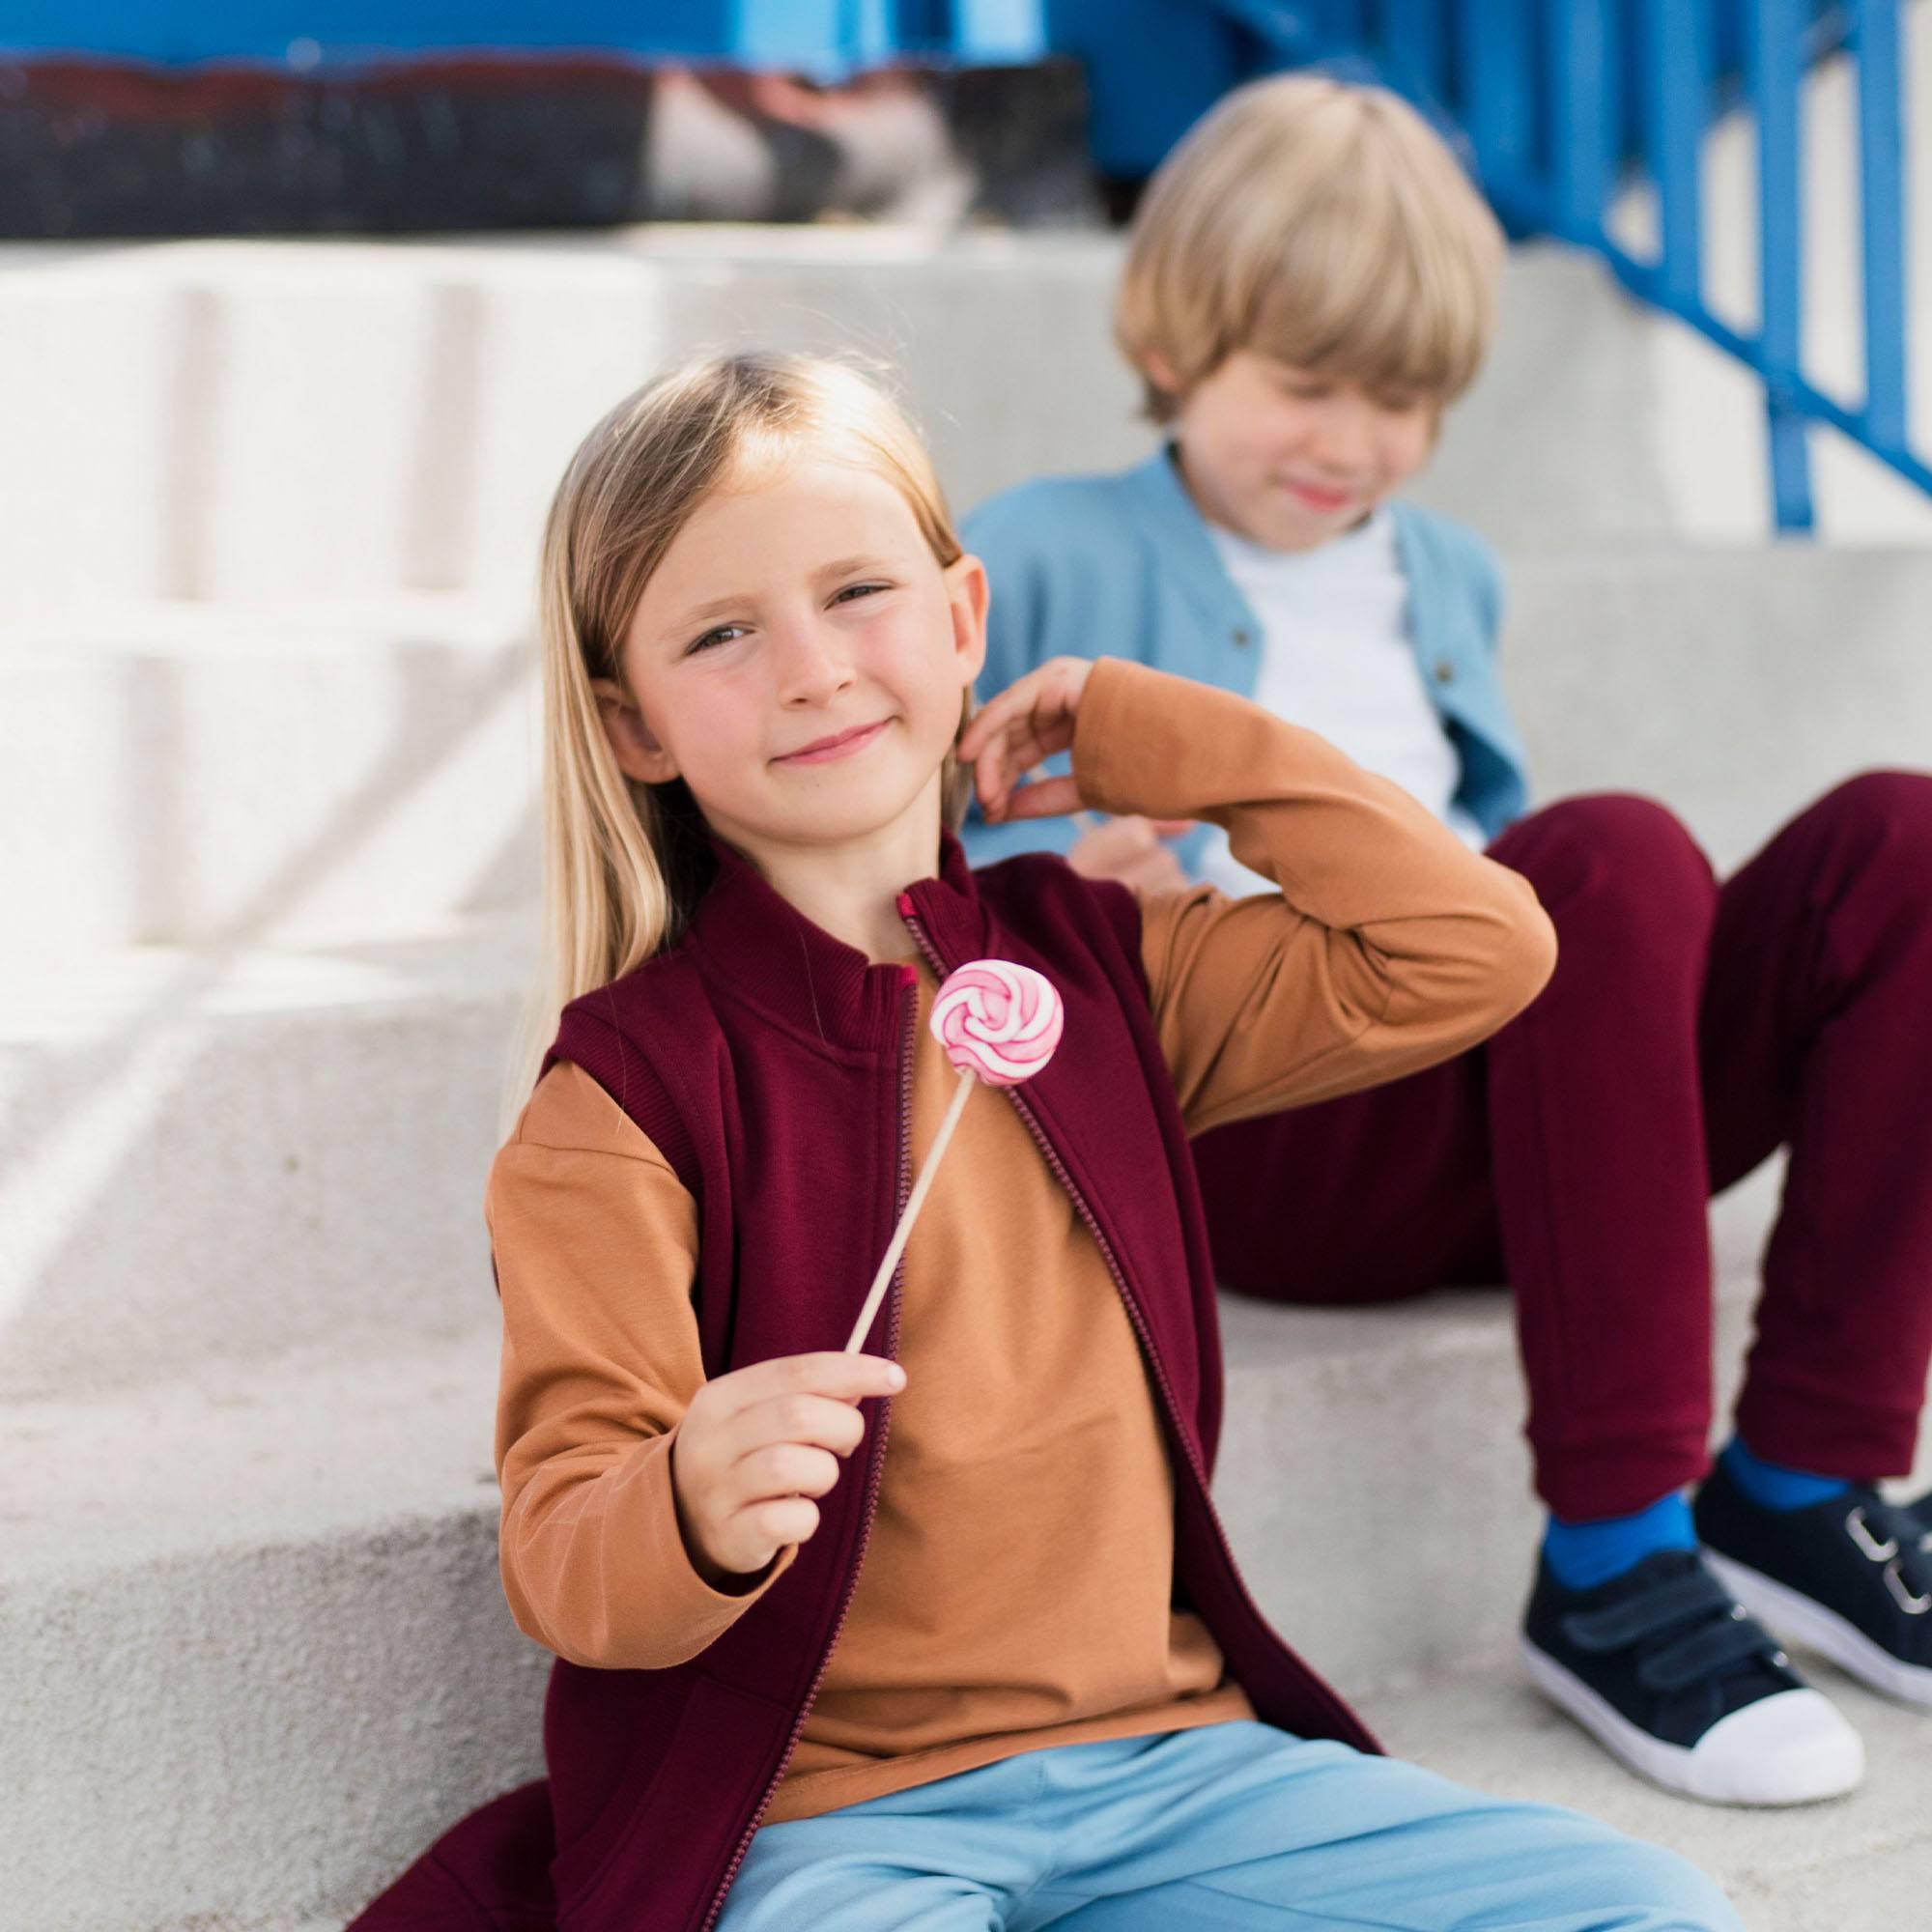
x,y
1391,946
595,1243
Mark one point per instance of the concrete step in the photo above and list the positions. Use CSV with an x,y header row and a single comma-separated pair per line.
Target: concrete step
x,y
365,772
220,421
217,1157
353,418
1735,684
293,1565
1862,1864
231,775
220,1157
253,1647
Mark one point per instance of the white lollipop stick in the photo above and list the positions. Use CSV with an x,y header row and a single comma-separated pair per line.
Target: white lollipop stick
x,y
999,1024
915,1201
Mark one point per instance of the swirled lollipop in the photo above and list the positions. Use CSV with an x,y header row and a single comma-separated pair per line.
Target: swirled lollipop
x,y
999,1024
997,1021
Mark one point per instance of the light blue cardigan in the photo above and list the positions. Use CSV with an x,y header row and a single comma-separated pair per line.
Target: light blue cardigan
x,y
1122,566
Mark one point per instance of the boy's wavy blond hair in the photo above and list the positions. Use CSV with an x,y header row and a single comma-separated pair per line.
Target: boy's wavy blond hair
x,y
1321,223
625,864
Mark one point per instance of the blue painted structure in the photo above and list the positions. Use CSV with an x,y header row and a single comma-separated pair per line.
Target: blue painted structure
x,y
1557,102
826,38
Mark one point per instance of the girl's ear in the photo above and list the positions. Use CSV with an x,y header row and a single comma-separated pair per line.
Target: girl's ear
x,y
632,743
968,594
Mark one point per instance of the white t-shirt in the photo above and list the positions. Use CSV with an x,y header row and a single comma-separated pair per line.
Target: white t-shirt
x,y
1336,658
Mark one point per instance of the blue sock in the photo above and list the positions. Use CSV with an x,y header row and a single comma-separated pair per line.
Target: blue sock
x,y
1773,1487
1584,1554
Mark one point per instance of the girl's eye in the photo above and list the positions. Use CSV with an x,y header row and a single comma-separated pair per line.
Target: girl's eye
x,y
722,635
1309,392
854,590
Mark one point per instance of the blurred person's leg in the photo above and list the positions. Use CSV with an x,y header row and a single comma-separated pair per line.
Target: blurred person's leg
x,y
1566,1154
1817,1035
1588,1112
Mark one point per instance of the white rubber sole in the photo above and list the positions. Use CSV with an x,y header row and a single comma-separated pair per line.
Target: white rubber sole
x,y
1790,1748
1799,1619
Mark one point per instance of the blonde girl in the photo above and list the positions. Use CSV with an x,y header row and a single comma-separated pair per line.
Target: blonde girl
x,y
1004,1671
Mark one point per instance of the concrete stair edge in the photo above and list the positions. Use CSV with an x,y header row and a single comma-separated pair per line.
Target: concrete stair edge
x,y
247,393
298,1567
309,781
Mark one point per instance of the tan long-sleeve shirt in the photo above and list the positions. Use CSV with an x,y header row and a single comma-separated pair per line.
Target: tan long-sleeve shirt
x,y
1017,1591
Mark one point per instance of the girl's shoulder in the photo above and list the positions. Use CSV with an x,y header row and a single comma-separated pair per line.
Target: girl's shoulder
x,y
569,1111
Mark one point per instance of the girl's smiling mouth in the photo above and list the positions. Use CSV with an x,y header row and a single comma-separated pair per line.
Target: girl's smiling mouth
x,y
821,750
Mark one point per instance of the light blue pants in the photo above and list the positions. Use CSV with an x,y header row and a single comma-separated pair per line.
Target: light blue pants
x,y
1230,1826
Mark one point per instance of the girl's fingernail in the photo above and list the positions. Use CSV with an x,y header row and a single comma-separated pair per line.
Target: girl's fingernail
x,y
896,1375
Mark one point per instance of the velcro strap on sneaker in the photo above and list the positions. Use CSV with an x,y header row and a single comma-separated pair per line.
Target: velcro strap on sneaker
x,y
1897,1532
1707,1654
1688,1599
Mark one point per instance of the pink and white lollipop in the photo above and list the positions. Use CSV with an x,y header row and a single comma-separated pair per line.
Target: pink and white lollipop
x,y
997,1021
999,1024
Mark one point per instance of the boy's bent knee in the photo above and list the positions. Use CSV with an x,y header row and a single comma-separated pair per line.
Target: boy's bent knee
x,y
1885,812
1612,859
1623,829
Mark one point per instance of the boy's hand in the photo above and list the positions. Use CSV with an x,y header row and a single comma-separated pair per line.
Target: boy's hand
x,y
757,1445
1021,727
1130,850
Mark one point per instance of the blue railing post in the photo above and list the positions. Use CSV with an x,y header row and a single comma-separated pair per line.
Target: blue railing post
x,y
1416,36
1676,64
1882,198
1492,56
1583,90
1772,67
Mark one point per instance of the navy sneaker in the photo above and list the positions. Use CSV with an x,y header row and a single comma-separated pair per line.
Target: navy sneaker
x,y
1668,1674
1851,1578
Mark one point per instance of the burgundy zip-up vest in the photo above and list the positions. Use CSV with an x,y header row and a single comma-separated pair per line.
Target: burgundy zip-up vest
x,y
770,1064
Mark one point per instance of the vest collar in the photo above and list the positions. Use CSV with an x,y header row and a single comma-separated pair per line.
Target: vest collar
x,y
798,974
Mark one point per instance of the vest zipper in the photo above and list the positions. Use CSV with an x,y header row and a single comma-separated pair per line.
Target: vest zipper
x,y
1176,1423
874,1471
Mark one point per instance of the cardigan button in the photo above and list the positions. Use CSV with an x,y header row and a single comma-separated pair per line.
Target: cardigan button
x,y
1243,636
1445,671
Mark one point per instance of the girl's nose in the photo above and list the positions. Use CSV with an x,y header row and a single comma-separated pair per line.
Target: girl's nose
x,y
813,666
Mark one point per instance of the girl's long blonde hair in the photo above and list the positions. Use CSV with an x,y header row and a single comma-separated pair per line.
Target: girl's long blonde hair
x,y
625,864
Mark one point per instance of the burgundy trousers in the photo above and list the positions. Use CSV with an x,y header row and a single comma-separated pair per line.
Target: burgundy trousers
x,y
1691,1028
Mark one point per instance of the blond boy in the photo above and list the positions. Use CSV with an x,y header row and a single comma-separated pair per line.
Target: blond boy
x,y
1310,283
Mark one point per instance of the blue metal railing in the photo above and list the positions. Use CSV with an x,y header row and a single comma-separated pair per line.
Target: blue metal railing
x,y
1665,53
